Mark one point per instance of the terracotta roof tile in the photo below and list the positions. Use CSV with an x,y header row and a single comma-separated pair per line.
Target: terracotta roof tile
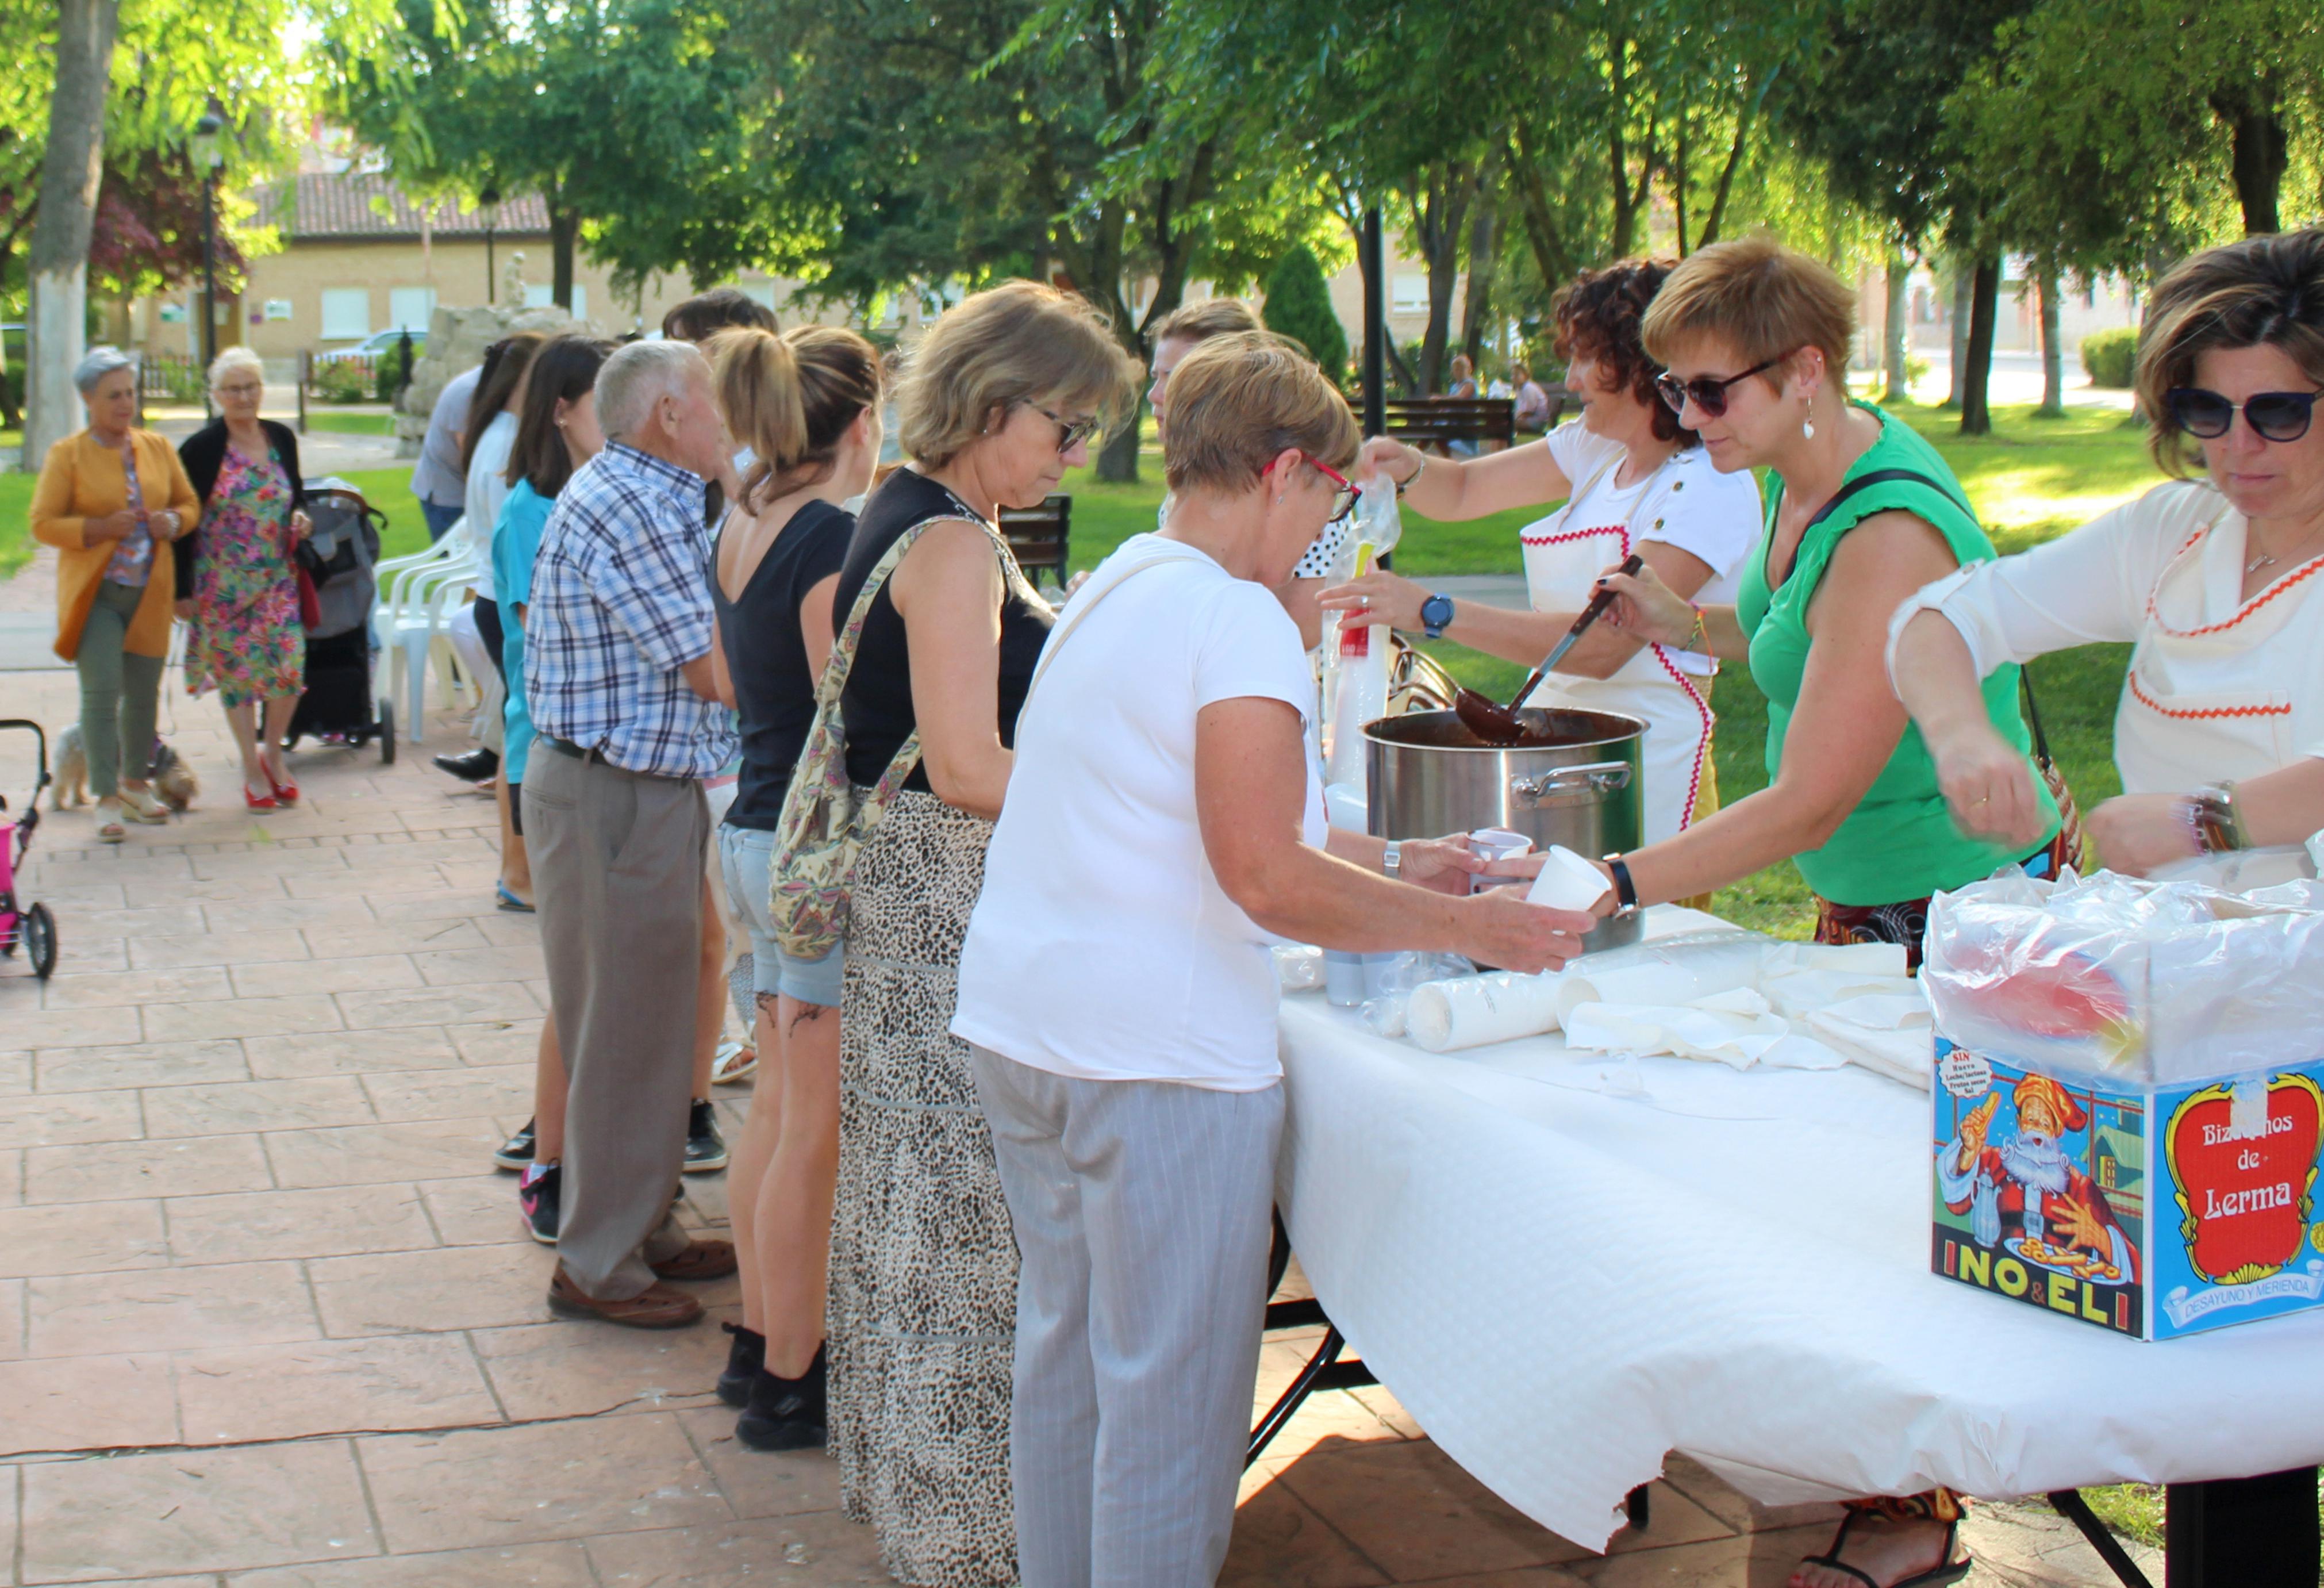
x,y
369,206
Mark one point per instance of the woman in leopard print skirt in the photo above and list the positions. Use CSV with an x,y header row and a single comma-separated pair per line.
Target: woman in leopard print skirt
x,y
999,401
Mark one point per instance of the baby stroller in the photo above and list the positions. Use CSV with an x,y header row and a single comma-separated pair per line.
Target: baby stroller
x,y
31,924
338,556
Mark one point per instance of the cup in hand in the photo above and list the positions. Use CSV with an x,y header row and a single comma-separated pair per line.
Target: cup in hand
x,y
1492,844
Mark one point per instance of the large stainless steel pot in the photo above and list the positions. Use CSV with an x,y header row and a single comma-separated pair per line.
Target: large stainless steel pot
x,y
1429,776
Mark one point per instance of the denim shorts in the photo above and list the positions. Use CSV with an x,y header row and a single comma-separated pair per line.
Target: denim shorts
x,y
744,854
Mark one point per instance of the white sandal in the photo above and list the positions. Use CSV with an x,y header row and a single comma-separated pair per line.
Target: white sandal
x,y
110,829
140,805
733,1063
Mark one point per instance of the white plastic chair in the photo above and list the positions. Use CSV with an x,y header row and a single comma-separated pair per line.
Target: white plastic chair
x,y
417,594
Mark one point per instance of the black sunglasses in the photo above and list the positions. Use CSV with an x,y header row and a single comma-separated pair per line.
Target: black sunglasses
x,y
2273,416
1707,393
1070,432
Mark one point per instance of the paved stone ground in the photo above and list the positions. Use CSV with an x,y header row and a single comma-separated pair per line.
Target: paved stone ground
x,y
267,1319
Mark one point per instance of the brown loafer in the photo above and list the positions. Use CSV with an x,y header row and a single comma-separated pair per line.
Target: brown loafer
x,y
701,1259
657,1306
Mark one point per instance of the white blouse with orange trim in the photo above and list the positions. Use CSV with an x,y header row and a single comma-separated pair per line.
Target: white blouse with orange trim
x,y
2218,687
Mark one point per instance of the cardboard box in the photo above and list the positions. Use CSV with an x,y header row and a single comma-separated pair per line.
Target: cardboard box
x,y
2152,1211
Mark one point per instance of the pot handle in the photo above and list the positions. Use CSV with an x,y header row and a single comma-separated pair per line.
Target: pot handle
x,y
1569,785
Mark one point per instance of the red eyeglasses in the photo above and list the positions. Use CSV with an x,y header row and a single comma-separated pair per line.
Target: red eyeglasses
x,y
1344,499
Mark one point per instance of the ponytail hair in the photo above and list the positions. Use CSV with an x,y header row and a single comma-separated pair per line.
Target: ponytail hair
x,y
791,397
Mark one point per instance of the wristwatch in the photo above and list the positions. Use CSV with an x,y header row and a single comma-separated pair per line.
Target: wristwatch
x,y
1392,860
1436,615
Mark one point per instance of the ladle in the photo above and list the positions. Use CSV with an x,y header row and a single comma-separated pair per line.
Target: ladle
x,y
1500,725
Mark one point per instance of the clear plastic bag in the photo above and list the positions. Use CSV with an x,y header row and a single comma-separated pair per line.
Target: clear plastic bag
x,y
2154,982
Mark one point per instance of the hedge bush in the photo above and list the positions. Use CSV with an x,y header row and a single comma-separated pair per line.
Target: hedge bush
x,y
344,380
1299,305
2109,356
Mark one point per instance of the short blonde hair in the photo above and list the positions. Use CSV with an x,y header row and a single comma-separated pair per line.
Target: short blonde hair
x,y
1239,401
1018,343
235,358
2260,291
1764,300
1210,316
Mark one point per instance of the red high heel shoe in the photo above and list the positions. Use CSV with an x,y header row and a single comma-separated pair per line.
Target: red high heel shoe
x,y
286,793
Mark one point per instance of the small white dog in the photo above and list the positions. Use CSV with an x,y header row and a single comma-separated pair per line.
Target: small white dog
x,y
172,779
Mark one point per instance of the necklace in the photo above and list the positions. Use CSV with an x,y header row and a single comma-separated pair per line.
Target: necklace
x,y
2263,560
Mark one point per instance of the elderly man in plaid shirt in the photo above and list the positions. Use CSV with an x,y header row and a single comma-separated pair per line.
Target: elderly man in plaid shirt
x,y
618,640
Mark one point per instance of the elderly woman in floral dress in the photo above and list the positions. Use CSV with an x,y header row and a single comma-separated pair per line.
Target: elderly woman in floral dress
x,y
235,574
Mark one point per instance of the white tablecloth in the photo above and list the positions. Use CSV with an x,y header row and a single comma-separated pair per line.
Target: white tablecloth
x,y
1564,1283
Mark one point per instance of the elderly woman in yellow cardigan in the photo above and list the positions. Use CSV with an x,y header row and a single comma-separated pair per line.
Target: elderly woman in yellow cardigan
x,y
111,500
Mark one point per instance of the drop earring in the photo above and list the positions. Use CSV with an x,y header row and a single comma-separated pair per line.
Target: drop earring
x,y
1807,425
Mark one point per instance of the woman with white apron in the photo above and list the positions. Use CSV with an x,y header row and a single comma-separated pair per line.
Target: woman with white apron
x,y
1631,481
2218,586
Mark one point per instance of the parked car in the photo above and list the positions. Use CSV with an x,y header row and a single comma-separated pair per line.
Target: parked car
x,y
378,344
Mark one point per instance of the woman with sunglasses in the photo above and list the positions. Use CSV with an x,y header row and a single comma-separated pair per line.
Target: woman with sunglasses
x,y
997,402
1630,479
2214,582
1754,340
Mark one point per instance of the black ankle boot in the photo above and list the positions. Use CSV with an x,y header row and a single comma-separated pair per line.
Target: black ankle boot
x,y
745,1357
784,1414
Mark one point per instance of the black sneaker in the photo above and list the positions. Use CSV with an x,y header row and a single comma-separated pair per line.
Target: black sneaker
x,y
785,1414
744,1358
705,1149
536,1200
516,1152
474,767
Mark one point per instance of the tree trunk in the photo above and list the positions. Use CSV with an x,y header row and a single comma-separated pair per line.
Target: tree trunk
x,y
1893,331
1438,207
1484,245
1551,257
71,172
2262,151
1957,380
2053,352
564,231
1984,307
1744,119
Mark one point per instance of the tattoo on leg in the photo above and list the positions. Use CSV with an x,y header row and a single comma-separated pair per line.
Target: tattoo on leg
x,y
807,1012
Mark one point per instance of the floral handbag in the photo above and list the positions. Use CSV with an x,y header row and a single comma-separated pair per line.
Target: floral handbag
x,y
824,824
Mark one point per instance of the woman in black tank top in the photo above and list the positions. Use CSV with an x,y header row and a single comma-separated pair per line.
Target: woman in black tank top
x,y
1000,400
807,404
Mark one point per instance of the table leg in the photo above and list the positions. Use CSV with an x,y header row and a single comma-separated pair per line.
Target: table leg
x,y
2243,1532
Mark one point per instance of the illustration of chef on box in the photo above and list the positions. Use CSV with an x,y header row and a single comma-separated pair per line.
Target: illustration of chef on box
x,y
2030,1180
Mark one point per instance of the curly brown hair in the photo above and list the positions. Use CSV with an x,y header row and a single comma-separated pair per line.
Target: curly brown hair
x,y
1598,316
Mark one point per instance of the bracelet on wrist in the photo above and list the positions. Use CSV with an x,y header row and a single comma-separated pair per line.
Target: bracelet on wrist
x,y
1412,479
2216,823
1626,892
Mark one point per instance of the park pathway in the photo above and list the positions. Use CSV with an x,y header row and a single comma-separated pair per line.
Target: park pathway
x,y
267,1319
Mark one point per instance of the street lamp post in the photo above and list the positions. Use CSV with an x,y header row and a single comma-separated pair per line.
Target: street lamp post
x,y
489,199
207,158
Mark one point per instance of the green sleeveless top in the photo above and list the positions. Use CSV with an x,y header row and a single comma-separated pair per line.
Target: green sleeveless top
x,y
1899,842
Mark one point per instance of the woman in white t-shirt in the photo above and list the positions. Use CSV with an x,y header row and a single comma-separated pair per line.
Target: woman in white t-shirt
x,y
1630,480
1163,824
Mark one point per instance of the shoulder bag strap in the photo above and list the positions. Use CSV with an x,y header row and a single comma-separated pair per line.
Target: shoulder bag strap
x,y
1883,476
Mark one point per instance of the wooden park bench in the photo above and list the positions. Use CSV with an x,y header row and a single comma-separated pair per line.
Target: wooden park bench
x,y
1434,422
1039,536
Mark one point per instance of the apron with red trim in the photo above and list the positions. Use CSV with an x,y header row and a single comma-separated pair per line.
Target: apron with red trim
x,y
2208,697
1564,553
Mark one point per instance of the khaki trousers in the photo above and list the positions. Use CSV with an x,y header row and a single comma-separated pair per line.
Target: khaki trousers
x,y
617,877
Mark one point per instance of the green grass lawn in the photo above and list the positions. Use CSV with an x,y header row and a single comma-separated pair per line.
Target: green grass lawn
x,y
350,424
15,522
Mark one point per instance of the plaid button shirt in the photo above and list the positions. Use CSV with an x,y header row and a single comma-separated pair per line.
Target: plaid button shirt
x,y
620,602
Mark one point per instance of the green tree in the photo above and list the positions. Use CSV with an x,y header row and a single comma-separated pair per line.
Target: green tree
x,y
633,119
1299,305
1875,113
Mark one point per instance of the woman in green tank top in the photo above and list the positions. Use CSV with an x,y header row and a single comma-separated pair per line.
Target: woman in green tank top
x,y
1862,512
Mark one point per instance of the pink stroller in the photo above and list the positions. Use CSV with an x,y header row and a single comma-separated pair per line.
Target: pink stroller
x,y
31,924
